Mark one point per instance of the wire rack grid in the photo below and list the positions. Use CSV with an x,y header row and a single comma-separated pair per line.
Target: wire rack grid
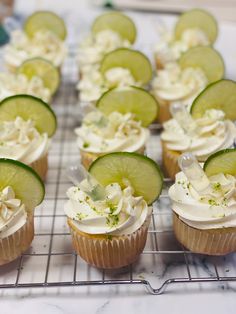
x,y
51,261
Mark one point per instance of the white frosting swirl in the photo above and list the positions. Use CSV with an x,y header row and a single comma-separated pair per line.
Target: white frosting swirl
x,y
94,47
120,213
174,84
169,49
11,84
117,132
93,84
213,133
12,213
44,44
217,209
19,140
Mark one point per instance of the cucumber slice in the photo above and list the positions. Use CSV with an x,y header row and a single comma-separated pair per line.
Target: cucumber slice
x,y
132,99
45,20
138,64
43,69
117,22
206,58
142,172
223,161
26,183
29,107
218,95
197,18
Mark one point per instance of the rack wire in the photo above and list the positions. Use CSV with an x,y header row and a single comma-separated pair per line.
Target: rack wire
x,y
51,260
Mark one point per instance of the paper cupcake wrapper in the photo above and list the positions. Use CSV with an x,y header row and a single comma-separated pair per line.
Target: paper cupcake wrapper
x,y
159,64
11,68
88,158
164,111
102,252
41,166
14,245
170,161
211,242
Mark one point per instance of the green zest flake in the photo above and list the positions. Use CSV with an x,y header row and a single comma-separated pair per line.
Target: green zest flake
x,y
109,237
184,184
112,207
112,220
217,186
212,202
81,216
224,202
86,145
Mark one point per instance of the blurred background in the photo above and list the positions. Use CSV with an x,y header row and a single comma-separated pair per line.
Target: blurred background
x,y
79,14
224,10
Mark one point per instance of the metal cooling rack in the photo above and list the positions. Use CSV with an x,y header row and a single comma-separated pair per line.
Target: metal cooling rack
x,y
51,261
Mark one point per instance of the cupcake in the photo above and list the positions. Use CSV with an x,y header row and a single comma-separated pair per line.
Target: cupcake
x,y
194,28
119,123
109,211
109,31
21,190
205,131
26,126
13,84
182,81
204,205
43,36
120,68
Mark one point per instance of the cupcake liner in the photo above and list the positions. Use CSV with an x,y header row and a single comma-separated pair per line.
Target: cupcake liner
x,y
14,245
159,63
102,252
170,161
219,241
41,166
164,112
11,68
88,158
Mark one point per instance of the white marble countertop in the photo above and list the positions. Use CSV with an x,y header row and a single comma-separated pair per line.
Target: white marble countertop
x,y
182,298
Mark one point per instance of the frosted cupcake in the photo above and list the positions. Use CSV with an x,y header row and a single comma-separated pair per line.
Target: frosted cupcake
x,y
205,131
21,190
109,31
43,36
193,28
109,211
11,84
204,204
27,124
119,125
182,81
120,68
